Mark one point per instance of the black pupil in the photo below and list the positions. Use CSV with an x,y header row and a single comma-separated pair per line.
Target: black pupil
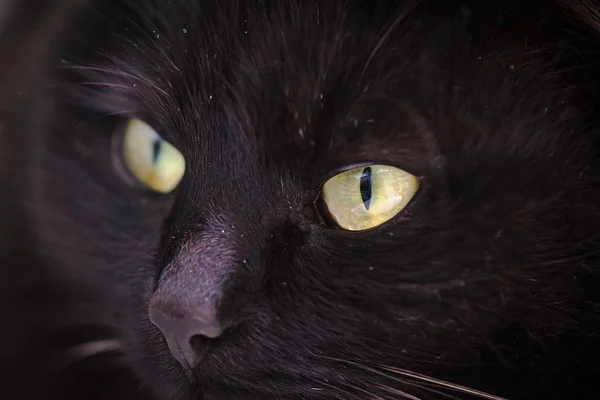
x,y
156,147
366,187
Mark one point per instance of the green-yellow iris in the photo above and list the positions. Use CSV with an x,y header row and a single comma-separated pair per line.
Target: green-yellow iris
x,y
365,197
152,160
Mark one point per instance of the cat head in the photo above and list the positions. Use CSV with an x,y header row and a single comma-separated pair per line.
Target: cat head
x,y
202,162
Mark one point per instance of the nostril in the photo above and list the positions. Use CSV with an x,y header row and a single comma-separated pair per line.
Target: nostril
x,y
199,343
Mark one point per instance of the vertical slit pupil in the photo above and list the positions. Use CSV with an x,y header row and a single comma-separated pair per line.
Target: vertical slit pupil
x,y
156,147
366,187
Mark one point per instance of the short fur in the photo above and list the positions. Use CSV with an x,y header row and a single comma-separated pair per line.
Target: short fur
x,y
489,279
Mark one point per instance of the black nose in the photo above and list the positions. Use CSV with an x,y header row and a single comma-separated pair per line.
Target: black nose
x,y
179,330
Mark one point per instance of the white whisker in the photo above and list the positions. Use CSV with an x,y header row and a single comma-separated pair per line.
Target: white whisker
x,y
101,84
399,393
347,393
131,74
448,385
423,387
89,349
438,383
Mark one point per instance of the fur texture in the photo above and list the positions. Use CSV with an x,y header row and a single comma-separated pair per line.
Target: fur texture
x,y
488,280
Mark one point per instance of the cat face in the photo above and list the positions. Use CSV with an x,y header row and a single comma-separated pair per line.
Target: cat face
x,y
237,275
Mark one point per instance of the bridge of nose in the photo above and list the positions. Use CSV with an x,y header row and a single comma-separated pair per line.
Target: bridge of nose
x,y
186,303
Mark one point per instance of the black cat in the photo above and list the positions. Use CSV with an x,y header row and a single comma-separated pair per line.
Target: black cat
x,y
234,200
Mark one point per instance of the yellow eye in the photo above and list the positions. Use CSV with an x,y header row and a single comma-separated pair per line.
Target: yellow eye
x,y
152,160
365,197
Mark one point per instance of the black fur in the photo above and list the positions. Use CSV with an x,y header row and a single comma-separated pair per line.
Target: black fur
x,y
489,279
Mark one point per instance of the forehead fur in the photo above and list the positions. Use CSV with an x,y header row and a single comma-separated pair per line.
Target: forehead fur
x,y
307,74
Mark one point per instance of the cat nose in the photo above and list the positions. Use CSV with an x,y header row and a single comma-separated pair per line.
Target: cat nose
x,y
179,329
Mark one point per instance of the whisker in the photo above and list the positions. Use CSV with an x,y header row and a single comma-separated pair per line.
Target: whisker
x,y
346,392
100,84
403,394
115,72
387,34
373,396
127,69
399,392
160,49
90,349
439,382
420,377
83,351
424,387
100,69
127,113
115,114
403,381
